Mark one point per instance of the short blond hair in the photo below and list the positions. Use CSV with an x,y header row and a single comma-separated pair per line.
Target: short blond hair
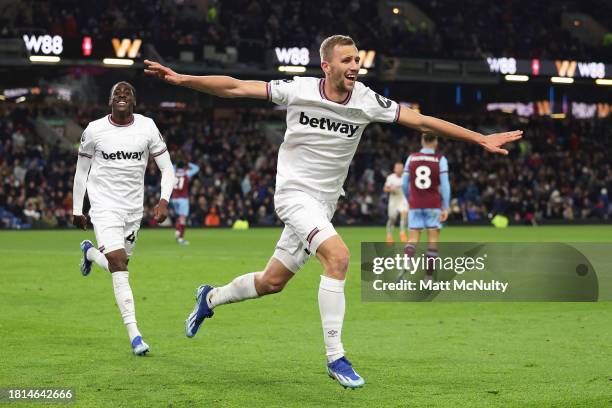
x,y
328,44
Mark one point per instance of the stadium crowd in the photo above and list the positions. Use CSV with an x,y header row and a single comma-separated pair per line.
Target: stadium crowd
x,y
561,170
458,29
36,190
479,28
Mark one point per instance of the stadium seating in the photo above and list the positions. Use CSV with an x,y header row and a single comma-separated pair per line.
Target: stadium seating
x,y
458,29
560,171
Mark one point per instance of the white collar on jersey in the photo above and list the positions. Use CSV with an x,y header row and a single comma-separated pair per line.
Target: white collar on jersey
x,y
117,124
324,96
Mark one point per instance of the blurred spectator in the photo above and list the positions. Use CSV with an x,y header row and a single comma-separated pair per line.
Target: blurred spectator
x,y
31,212
212,219
561,170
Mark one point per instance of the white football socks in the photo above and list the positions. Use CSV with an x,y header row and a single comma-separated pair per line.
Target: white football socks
x,y
241,288
331,306
94,255
125,302
403,218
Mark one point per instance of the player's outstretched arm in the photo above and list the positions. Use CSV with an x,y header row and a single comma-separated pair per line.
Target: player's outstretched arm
x,y
218,85
428,124
78,191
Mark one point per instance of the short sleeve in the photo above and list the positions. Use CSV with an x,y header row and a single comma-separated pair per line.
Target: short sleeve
x,y
281,90
157,145
380,109
87,146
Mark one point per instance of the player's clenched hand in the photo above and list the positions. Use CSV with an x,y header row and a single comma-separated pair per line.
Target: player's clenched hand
x,y
160,212
443,215
79,221
493,143
159,71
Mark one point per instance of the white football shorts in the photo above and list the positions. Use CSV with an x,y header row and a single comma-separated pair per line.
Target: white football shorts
x,y
116,230
396,206
307,225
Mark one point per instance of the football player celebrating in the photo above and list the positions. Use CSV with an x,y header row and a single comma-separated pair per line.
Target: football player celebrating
x,y
111,164
325,120
180,198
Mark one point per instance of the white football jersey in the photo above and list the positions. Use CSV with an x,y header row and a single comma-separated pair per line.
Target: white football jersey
x,y
322,135
120,155
397,196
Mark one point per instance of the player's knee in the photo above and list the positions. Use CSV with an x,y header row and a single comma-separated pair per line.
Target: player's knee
x,y
117,263
274,287
341,263
117,266
338,263
271,284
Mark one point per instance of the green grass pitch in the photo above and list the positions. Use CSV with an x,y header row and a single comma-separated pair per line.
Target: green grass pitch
x,y
58,329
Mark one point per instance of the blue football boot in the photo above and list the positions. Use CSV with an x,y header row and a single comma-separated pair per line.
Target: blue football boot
x,y
85,263
139,346
200,312
342,371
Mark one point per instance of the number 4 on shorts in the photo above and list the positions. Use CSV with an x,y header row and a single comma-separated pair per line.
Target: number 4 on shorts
x,y
131,238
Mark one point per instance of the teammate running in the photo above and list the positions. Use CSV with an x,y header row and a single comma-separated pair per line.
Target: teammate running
x,y
426,185
111,165
325,120
180,198
398,205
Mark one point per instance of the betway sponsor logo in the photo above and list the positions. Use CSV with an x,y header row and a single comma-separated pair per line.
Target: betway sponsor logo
x,y
119,155
328,124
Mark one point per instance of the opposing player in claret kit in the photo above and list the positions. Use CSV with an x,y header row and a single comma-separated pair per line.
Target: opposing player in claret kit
x,y
180,198
397,205
325,120
111,164
426,184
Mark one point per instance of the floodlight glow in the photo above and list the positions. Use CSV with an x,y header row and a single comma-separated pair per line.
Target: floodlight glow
x,y
118,61
292,68
517,78
562,80
44,58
